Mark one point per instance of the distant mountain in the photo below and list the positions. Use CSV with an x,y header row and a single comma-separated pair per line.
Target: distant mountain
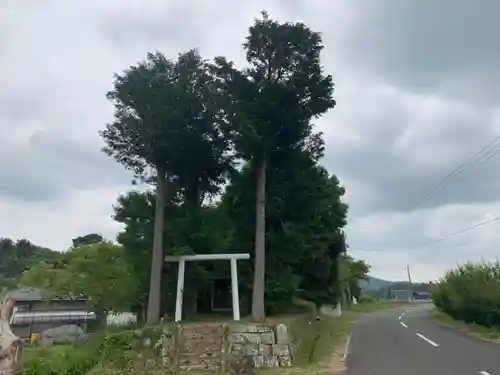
x,y
374,284
377,286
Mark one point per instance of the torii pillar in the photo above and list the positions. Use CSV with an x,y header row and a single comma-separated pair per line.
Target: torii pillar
x,y
182,259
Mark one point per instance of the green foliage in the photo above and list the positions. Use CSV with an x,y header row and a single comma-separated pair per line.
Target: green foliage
x,y
88,239
274,99
270,105
469,293
167,116
16,257
366,298
99,272
304,219
61,359
113,349
117,348
210,235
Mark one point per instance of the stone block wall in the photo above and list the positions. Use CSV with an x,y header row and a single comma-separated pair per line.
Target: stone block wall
x,y
264,346
233,349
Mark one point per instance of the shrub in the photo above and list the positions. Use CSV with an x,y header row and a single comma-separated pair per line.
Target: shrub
x,y
76,359
60,359
366,298
470,292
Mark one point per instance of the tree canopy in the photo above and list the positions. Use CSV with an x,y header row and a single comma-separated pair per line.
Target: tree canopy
x,y
18,256
98,272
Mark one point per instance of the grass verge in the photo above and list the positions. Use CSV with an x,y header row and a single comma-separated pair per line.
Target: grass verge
x,y
377,306
485,333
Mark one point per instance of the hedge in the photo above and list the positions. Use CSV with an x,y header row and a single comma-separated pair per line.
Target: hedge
x,y
470,293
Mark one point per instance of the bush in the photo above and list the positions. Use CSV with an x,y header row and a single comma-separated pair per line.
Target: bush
x,y
75,359
470,293
60,359
366,298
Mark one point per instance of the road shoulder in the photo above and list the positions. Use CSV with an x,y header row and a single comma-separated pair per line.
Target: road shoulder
x,y
491,335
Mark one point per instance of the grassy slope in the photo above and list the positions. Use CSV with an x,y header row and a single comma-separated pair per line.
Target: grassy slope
x,y
485,333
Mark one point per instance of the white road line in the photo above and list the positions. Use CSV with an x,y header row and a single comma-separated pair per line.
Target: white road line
x,y
347,345
404,325
484,373
427,340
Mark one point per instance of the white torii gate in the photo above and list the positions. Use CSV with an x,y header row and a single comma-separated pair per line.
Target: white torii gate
x,y
182,259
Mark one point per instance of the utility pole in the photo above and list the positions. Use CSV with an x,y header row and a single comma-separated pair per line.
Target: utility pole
x,y
409,281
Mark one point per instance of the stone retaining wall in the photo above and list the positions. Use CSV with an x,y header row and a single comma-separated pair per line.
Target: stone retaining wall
x,y
265,346
241,348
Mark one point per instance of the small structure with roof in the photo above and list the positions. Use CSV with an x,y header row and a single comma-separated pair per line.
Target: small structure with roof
x,y
34,312
401,295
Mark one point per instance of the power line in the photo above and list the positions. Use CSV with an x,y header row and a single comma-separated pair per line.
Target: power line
x,y
441,239
472,227
490,150
486,153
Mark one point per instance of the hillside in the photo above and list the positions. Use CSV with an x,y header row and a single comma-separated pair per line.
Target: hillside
x,y
380,287
15,257
373,284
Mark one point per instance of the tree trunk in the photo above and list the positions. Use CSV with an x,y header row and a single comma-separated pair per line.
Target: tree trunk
x,y
10,344
154,301
258,309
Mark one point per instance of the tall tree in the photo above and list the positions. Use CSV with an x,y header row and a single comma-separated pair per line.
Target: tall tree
x,y
272,104
167,117
305,214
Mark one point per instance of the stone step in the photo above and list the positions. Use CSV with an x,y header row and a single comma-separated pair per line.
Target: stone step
x,y
194,361
205,354
199,369
210,331
203,326
201,351
203,339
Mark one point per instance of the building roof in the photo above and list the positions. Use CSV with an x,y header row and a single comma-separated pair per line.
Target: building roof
x,y
33,294
25,294
28,317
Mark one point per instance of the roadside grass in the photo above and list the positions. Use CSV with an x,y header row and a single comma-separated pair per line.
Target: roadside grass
x,y
378,305
485,333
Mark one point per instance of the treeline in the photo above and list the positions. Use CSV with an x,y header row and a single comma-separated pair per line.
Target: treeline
x,y
470,293
233,165
18,256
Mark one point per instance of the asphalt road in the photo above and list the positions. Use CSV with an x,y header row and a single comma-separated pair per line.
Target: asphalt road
x,y
405,342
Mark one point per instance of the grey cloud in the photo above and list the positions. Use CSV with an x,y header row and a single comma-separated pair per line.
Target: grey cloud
x,y
407,148
386,240
44,166
426,45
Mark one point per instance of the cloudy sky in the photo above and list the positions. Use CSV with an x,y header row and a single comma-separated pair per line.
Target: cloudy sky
x,y
417,87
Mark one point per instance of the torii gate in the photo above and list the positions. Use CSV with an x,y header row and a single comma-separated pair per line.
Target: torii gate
x,y
182,259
